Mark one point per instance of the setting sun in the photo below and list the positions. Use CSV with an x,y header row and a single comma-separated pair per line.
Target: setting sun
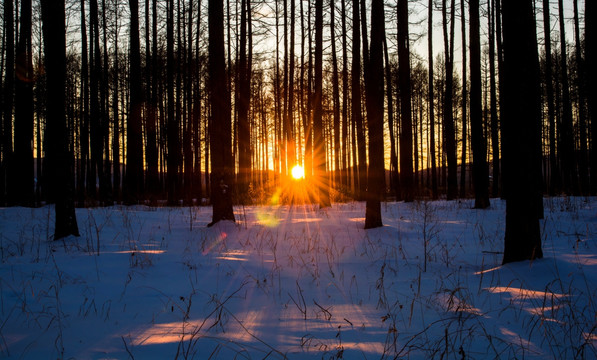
x,y
298,172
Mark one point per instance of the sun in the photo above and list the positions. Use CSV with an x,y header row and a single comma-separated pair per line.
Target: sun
x,y
298,172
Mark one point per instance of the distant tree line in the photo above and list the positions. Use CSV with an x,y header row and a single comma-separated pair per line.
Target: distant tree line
x,y
174,99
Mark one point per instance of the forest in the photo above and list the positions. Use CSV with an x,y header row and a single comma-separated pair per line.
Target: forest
x,y
167,102
298,179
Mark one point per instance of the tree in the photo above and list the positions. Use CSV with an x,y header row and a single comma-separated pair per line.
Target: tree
x,y
151,156
448,113
243,94
96,166
357,116
220,130
336,95
7,153
582,121
553,163
431,101
521,131
406,147
590,58
319,157
344,175
495,138
566,144
22,167
59,160
478,141
376,174
463,161
134,144
172,119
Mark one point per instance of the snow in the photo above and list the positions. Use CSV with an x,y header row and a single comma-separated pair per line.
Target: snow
x,y
297,282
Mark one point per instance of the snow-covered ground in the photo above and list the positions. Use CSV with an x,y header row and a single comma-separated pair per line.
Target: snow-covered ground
x,y
297,283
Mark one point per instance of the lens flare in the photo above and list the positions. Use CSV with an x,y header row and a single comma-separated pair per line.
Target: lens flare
x,y
298,172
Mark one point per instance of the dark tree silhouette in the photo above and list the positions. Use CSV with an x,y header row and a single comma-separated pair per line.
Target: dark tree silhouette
x,y
22,168
220,130
357,117
375,95
84,127
521,132
319,157
134,158
553,163
478,141
495,136
591,58
406,138
59,160
242,99
448,113
463,156
431,101
566,143
9,79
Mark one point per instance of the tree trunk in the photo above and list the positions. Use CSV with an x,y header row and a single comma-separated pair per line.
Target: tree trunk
x,y
432,145
495,136
394,181
59,166
151,155
591,58
478,141
463,157
336,96
243,100
520,132
582,118
319,156
115,109
22,168
376,175
404,86
220,131
134,139
9,78
554,184
344,174
357,116
448,112
173,158
96,136
566,148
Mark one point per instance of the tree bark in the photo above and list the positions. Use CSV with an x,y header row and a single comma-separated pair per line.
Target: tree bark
x,y
463,157
566,147
319,156
591,58
134,138
220,131
376,174
495,136
431,100
554,183
59,161
22,169
521,132
478,141
9,79
357,116
404,86
448,113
